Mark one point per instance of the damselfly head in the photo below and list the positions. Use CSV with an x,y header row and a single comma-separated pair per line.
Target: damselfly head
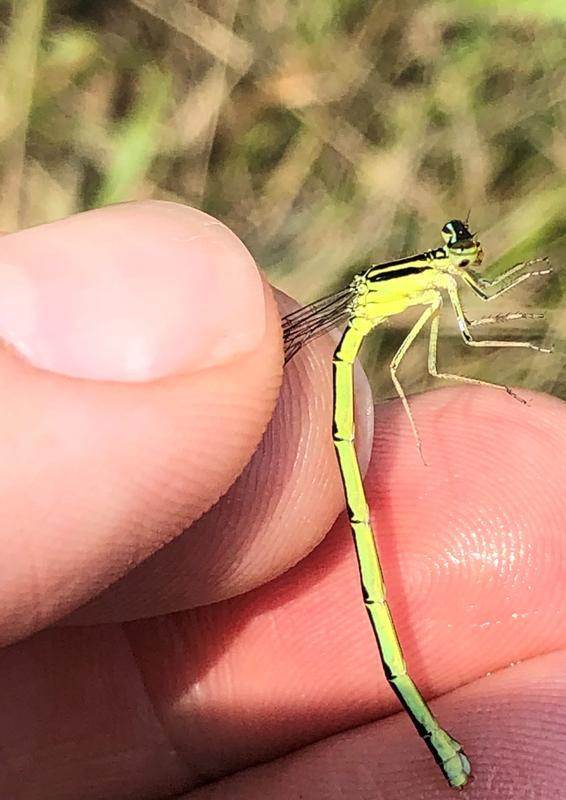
x,y
461,245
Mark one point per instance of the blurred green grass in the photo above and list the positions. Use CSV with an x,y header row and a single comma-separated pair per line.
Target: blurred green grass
x,y
328,134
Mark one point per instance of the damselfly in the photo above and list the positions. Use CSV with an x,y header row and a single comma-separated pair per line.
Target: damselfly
x,y
372,297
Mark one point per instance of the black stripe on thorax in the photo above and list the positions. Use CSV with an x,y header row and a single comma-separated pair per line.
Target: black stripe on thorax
x,y
403,267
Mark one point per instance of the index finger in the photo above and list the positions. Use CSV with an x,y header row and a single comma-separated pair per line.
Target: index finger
x,y
473,552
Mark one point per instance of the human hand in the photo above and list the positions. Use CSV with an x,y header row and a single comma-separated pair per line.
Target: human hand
x,y
101,476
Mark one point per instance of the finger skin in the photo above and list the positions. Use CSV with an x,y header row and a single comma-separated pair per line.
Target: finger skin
x,y
513,723
97,475
277,511
473,552
474,558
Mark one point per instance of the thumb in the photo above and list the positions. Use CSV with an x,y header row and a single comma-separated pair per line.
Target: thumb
x,y
142,366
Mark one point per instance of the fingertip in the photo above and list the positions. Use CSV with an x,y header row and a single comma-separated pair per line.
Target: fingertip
x,y
99,473
133,292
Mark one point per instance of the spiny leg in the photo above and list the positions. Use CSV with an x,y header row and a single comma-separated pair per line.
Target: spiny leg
x,y
480,285
469,340
447,751
433,370
467,336
396,360
517,268
497,319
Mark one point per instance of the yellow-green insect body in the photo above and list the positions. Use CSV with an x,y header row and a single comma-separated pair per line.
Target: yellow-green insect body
x,y
373,296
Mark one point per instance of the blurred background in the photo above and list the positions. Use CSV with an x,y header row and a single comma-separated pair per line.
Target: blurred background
x,y
328,134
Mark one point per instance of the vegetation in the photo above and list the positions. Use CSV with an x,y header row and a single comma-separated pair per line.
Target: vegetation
x,y
328,134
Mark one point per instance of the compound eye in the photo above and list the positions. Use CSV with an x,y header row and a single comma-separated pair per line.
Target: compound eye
x,y
448,233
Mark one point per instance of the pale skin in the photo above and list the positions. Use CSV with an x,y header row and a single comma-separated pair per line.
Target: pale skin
x,y
473,548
